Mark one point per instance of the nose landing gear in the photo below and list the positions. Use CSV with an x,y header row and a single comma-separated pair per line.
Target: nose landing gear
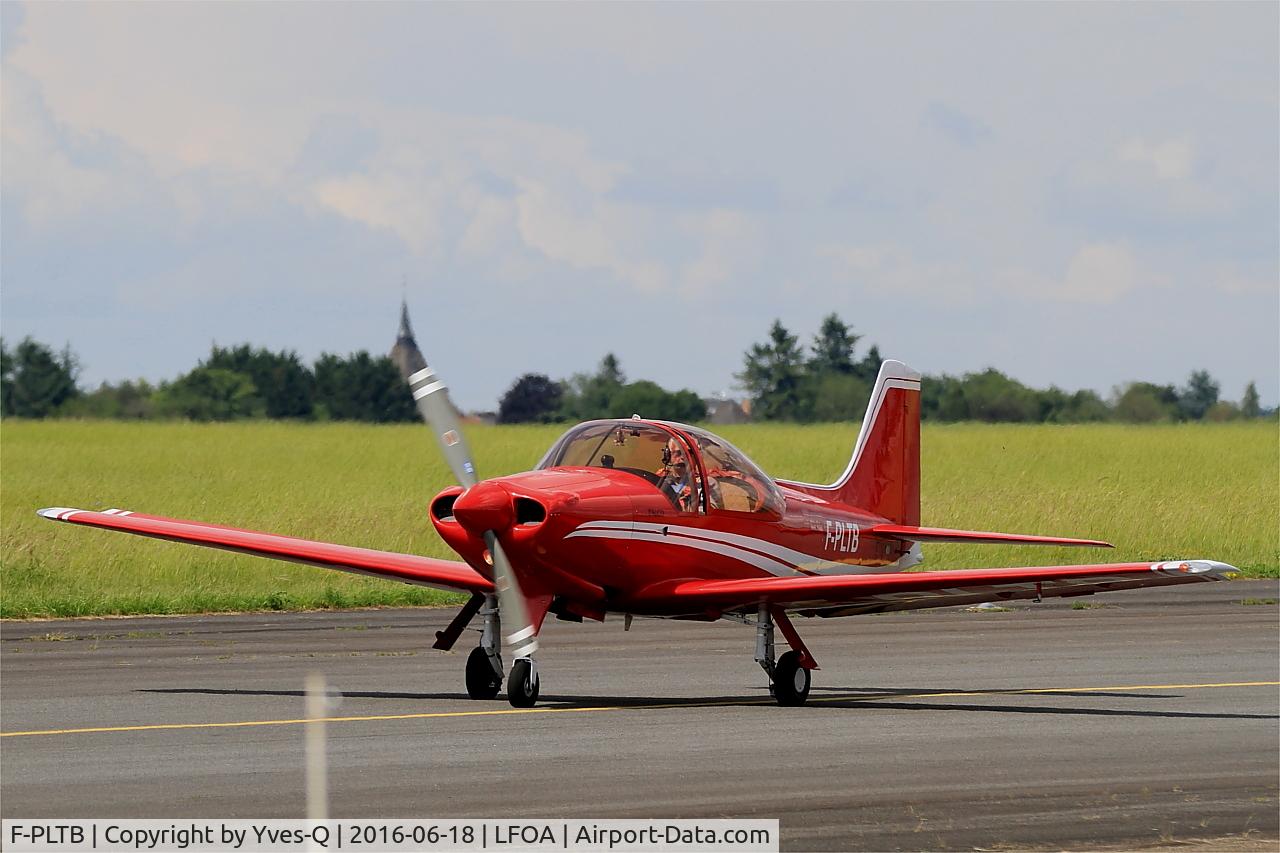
x,y
484,664
522,687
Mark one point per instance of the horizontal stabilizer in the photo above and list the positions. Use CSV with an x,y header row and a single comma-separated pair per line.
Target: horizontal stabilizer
x,y
409,568
942,534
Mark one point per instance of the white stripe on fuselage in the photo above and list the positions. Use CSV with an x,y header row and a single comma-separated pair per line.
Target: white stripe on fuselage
x,y
760,561
769,556
792,559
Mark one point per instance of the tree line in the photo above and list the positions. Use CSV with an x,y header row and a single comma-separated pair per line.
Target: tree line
x,y
232,383
243,382
606,393
783,380
829,383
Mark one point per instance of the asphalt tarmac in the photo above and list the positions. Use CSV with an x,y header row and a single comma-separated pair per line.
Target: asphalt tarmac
x,y
1142,719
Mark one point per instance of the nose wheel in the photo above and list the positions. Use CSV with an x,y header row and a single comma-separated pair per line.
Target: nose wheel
x,y
522,686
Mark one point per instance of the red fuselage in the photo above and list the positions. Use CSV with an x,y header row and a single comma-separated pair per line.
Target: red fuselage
x,y
592,537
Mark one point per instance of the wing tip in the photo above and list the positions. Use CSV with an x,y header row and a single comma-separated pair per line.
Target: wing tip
x,y
1212,568
58,513
62,513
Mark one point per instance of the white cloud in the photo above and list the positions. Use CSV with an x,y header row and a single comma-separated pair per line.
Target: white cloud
x,y
1099,273
892,269
492,219
731,245
1170,160
162,81
385,201
858,258
1096,274
41,172
1235,282
1155,183
599,237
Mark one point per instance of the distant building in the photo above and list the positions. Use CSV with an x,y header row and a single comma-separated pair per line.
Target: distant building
x,y
405,353
721,410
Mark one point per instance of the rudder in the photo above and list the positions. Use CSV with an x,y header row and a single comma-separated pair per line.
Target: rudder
x,y
883,475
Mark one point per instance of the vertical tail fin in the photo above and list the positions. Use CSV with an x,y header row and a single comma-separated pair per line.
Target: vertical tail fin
x,y
883,476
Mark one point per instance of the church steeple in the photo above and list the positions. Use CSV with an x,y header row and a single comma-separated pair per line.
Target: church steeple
x,y
406,331
405,353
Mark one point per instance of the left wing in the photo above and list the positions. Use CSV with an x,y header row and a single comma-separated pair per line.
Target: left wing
x,y
409,568
847,595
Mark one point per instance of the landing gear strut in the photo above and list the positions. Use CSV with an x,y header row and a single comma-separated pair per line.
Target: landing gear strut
x,y
788,675
484,665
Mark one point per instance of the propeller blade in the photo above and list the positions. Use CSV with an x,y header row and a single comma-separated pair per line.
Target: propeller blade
x,y
431,396
522,638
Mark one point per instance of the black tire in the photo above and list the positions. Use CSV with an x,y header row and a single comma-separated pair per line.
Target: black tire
x,y
482,681
790,680
522,686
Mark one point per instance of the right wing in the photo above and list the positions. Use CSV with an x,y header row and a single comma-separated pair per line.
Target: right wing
x,y
848,595
423,571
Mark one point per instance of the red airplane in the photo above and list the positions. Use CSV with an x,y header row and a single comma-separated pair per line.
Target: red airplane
x,y
649,518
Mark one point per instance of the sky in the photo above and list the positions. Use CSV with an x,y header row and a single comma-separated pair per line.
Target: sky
x,y
1078,194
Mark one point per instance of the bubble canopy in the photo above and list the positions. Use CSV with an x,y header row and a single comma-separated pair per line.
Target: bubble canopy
x,y
653,450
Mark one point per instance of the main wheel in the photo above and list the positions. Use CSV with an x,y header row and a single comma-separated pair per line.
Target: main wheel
x,y
790,680
482,681
522,686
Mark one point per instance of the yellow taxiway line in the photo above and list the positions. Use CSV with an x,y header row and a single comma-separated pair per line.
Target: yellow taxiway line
x,y
590,709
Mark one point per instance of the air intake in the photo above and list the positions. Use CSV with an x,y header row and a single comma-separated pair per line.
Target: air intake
x,y
529,512
442,508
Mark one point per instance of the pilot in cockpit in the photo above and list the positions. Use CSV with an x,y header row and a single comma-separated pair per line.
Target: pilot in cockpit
x,y
675,477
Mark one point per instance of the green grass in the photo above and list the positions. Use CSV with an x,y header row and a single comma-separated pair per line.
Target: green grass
x,y
1158,493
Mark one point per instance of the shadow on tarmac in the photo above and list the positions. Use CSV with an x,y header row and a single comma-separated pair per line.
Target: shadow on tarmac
x,y
846,699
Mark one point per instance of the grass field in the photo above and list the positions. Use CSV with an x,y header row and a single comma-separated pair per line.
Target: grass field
x,y
1158,493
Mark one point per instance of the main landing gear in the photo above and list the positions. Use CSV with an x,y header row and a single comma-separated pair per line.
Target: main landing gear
x,y
788,675
483,681
484,664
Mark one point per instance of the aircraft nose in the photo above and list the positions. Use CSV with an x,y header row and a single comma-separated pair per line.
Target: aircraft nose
x,y
484,506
